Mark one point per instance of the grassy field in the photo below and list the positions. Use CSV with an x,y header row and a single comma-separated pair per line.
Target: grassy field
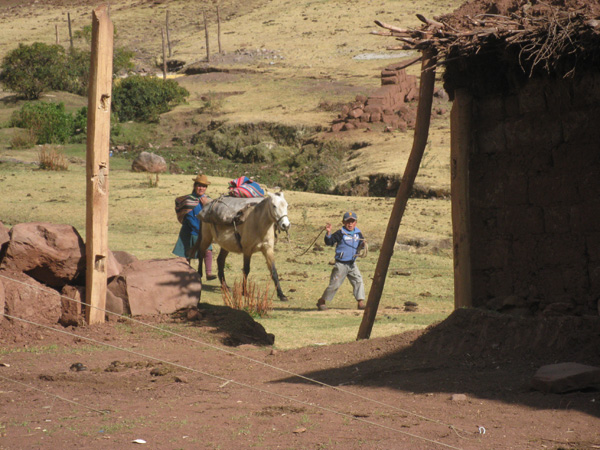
x,y
316,43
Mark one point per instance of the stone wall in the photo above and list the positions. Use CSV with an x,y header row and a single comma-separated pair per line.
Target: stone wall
x,y
535,198
387,105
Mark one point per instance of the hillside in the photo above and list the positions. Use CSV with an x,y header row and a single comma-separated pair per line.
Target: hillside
x,y
286,62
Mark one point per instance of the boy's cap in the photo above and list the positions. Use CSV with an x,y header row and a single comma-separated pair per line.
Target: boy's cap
x,y
349,215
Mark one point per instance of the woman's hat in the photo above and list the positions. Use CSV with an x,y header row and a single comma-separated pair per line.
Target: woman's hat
x,y
201,179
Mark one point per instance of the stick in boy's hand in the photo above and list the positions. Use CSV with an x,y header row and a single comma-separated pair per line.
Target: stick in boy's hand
x,y
328,228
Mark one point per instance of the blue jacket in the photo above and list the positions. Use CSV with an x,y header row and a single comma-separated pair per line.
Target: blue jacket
x,y
347,243
191,221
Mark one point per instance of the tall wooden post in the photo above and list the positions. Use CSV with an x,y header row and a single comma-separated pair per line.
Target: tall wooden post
x,y
70,29
460,141
56,31
408,178
206,36
98,141
219,29
168,34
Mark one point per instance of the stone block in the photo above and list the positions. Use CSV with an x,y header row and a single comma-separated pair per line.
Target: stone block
x,y
25,298
159,286
71,310
566,377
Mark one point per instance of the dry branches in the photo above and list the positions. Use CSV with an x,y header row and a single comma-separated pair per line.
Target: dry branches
x,y
542,41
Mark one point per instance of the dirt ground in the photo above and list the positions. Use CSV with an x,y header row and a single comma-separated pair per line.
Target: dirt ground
x,y
198,390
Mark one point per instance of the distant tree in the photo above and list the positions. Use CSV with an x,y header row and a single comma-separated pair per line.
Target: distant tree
x,y
31,70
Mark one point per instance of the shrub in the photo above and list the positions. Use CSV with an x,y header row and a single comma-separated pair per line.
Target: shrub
x,y
80,125
23,139
31,70
144,99
49,122
50,158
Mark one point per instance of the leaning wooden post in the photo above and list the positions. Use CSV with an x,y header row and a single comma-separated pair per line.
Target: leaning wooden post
x,y
408,178
206,36
70,30
168,34
219,29
164,64
460,143
98,140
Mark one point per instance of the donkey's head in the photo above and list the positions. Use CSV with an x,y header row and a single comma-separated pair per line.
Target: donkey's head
x,y
279,210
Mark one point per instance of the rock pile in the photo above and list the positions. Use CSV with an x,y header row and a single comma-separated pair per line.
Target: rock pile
x,y
389,104
42,278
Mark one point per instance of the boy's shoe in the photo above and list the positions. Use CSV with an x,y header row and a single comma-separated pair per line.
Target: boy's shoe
x,y
361,304
211,276
321,306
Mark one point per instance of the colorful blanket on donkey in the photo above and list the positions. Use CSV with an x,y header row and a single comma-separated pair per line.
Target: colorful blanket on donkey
x,y
245,187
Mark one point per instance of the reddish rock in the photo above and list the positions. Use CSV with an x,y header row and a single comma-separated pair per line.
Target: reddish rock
x,y
149,162
356,113
366,117
71,310
348,126
53,254
124,258
373,109
25,298
158,286
376,117
113,266
4,236
337,127
566,377
361,99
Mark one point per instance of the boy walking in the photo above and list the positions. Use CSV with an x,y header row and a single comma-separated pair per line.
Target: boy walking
x,y
348,242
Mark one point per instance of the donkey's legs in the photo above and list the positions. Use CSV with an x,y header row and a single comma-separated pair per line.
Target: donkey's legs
x,y
270,259
221,266
246,272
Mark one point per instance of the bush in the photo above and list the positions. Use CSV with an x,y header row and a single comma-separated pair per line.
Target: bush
x,y
144,99
31,70
50,158
49,122
24,139
80,125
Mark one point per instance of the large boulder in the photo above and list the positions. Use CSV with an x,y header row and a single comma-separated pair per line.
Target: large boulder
x,y
124,258
53,254
4,236
149,162
157,286
25,298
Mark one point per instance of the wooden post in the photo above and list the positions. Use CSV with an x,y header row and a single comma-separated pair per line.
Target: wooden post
x,y
460,125
164,64
98,140
70,30
56,31
219,29
206,36
168,34
408,178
